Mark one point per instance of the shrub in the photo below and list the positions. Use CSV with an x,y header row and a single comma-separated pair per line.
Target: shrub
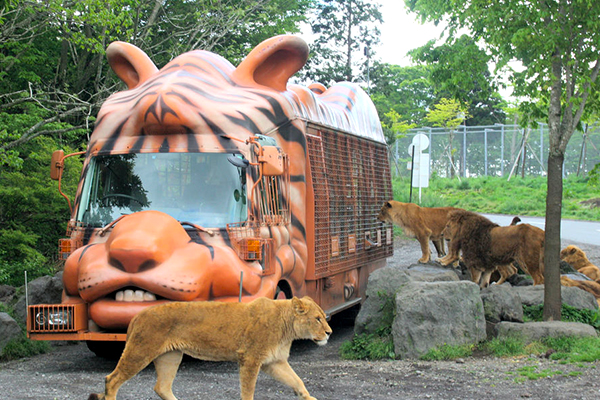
x,y
447,352
23,347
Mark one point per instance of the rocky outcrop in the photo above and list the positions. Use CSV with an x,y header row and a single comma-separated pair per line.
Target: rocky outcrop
x,y
428,306
9,330
533,331
432,314
43,290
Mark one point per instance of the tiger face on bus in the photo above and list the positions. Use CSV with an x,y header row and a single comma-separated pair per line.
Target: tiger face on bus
x,y
199,183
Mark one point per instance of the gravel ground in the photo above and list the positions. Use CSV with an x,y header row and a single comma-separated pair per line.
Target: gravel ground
x,y
71,371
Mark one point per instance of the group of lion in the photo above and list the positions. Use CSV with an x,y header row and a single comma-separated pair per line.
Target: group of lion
x,y
484,246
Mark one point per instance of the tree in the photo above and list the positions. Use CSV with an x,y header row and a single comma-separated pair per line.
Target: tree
x,y
448,114
343,28
406,90
66,81
558,43
459,69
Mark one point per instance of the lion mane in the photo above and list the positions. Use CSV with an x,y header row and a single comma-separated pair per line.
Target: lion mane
x,y
257,335
485,246
423,223
576,258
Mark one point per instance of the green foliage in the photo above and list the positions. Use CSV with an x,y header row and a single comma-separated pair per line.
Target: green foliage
x,y
368,347
448,352
495,195
594,176
512,346
447,113
569,313
473,86
574,350
23,347
532,373
405,92
378,345
342,29
33,214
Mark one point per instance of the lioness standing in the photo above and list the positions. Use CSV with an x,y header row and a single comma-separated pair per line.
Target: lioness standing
x,y
423,223
258,335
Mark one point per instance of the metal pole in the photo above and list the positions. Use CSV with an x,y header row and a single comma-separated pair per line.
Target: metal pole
x,y
412,170
26,295
485,152
502,151
464,151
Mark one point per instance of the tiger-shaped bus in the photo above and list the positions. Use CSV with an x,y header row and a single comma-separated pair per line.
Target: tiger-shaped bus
x,y
202,181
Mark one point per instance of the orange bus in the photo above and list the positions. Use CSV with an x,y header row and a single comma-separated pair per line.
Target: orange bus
x,y
202,181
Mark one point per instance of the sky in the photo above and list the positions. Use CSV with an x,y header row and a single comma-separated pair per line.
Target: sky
x,y
402,32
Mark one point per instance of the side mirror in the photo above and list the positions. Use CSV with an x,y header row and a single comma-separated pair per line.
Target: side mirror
x,y
271,161
56,164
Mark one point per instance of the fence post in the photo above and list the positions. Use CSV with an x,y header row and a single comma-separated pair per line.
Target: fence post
x,y
464,160
485,152
502,151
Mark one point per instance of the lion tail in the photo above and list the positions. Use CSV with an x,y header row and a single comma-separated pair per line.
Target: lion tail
x,y
95,396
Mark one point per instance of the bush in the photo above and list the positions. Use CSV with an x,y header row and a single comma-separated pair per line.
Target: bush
x,y
447,352
568,313
23,347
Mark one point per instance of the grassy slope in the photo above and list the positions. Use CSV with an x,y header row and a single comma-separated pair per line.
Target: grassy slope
x,y
520,196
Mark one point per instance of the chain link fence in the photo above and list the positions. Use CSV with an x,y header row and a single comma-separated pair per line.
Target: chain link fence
x,y
496,150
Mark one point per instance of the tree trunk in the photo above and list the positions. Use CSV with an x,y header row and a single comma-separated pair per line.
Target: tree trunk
x,y
552,296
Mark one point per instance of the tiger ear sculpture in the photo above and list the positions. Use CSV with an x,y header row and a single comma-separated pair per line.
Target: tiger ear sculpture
x,y
273,62
131,64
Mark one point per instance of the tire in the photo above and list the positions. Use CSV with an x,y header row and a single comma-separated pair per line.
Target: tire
x,y
108,350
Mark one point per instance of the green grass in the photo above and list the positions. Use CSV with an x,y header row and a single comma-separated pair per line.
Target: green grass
x,y
495,195
532,373
447,352
23,347
379,345
568,313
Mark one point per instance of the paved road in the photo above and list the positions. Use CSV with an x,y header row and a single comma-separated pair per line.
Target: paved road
x,y
572,230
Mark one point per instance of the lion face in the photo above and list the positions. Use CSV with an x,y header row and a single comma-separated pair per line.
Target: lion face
x,y
385,215
574,256
450,230
310,321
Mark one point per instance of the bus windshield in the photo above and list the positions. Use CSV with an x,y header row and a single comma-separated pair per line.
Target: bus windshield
x,y
201,188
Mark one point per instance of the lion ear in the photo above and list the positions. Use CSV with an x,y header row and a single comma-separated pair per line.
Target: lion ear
x,y
299,307
388,204
573,250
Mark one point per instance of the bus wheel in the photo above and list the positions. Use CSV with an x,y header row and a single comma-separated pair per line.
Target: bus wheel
x,y
109,350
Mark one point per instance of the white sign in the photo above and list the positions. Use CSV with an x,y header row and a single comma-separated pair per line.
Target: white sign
x,y
420,165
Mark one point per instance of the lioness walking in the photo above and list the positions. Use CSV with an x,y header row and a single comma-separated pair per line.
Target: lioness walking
x,y
258,335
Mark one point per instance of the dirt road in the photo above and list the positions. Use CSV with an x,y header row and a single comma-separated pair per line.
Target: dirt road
x,y
71,371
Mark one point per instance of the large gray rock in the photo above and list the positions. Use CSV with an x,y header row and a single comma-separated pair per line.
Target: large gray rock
x,y
572,296
431,314
533,331
381,289
501,303
6,293
9,329
43,290
431,273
